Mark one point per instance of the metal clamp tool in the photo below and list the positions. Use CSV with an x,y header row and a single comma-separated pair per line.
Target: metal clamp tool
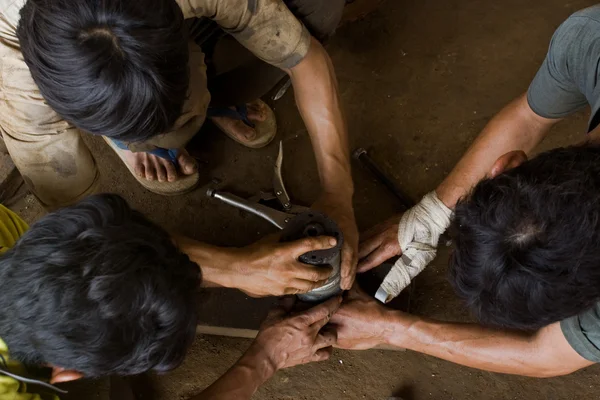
x,y
296,222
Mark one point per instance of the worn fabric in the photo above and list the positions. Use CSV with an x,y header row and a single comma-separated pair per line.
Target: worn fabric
x,y
567,81
419,231
583,333
49,151
12,227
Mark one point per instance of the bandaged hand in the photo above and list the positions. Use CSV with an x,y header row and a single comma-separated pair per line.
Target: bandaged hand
x,y
419,231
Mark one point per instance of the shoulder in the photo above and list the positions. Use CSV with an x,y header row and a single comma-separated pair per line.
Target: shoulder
x,y
583,24
591,13
10,12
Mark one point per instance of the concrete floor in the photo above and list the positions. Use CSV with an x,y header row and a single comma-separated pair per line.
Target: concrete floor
x,y
419,80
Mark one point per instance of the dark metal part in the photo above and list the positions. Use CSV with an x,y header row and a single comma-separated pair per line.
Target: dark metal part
x,y
297,222
362,155
311,224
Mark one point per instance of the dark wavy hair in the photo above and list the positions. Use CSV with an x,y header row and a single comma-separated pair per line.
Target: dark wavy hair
x,y
98,288
116,68
528,241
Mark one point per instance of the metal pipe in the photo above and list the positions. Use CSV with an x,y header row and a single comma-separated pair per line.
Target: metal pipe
x,y
277,218
361,155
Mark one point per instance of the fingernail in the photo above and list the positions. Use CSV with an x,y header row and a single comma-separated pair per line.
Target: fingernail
x,y
332,241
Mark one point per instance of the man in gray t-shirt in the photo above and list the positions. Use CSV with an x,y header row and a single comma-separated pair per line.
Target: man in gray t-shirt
x,y
567,82
525,241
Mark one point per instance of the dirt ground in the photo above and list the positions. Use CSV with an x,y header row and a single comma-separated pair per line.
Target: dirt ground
x,y
419,80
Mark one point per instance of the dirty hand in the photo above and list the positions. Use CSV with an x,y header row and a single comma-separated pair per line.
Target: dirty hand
x,y
361,322
268,268
286,340
343,214
379,244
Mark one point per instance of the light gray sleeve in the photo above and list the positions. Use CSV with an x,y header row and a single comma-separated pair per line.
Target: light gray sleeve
x,y
557,89
583,333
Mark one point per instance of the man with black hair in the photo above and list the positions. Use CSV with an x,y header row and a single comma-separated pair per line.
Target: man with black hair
x,y
96,289
146,74
526,259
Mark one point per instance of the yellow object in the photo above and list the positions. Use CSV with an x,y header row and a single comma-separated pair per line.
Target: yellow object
x,y
12,227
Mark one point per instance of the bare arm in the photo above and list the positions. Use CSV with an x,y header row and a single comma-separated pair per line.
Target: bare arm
x,y
316,92
265,268
363,323
242,380
285,340
516,127
542,354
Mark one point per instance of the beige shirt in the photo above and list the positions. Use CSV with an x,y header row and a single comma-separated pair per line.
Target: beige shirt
x,y
265,27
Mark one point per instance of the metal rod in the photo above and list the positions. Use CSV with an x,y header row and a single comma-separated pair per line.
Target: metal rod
x,y
277,218
361,155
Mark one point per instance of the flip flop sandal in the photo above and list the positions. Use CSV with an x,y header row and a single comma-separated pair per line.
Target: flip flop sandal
x,y
265,130
182,185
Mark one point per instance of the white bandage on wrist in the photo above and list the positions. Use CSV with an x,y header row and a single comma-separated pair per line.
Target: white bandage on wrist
x,y
418,234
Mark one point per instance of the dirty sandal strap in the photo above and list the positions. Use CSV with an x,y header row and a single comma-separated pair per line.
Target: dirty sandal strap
x,y
167,154
240,113
265,130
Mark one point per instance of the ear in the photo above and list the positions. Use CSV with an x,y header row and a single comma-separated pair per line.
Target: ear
x,y
508,161
60,375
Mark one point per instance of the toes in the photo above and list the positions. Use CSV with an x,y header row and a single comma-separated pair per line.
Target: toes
x,y
186,162
150,170
140,170
170,171
159,167
257,111
245,131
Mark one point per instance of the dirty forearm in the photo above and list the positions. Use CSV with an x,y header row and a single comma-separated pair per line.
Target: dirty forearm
x,y
316,92
542,354
242,380
516,127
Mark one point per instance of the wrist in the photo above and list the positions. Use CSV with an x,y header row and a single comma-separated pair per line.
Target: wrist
x,y
341,190
448,194
257,361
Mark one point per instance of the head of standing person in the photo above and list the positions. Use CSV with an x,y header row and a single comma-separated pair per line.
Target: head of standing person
x,y
96,289
115,68
527,241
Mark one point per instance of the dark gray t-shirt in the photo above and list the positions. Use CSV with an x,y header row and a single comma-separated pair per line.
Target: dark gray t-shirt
x,y
568,80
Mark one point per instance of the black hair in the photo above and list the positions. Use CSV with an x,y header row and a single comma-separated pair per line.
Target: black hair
x,y
528,241
116,68
98,288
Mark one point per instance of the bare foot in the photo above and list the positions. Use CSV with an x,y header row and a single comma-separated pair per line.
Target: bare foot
x,y
244,133
151,167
